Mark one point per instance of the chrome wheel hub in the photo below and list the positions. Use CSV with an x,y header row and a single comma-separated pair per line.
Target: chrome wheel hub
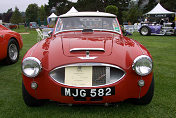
x,y
144,31
13,52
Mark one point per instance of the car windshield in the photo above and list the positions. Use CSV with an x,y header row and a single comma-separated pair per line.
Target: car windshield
x,y
94,23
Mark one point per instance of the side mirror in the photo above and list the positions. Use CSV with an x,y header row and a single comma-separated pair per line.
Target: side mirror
x,y
50,33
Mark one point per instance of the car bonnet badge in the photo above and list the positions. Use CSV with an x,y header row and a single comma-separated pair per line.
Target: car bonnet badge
x,y
87,56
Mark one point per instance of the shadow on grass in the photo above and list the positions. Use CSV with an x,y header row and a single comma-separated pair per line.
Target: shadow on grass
x,y
89,111
54,104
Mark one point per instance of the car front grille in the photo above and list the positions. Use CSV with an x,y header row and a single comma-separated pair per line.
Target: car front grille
x,y
101,74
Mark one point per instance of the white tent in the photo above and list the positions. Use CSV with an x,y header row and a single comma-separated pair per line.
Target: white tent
x,y
72,10
52,16
158,9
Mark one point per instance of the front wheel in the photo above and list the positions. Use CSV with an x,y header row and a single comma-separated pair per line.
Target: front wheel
x,y
144,30
12,52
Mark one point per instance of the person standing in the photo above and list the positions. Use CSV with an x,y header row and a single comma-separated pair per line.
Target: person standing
x,y
25,26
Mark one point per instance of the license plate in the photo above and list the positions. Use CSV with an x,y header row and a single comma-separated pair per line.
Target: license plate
x,y
88,92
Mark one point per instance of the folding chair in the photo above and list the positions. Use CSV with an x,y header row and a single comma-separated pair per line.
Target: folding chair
x,y
40,35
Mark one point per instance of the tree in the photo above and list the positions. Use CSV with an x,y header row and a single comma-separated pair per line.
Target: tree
x,y
90,5
1,16
32,13
122,6
142,3
151,4
42,13
112,9
132,15
47,10
7,15
169,5
16,16
62,6
147,5
100,5
53,3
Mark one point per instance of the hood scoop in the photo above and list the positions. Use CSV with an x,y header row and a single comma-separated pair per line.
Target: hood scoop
x,y
77,44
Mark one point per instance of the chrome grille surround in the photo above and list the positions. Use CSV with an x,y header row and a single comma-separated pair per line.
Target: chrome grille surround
x,y
114,72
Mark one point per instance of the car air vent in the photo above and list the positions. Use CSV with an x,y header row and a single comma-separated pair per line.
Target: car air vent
x,y
87,74
96,99
79,99
87,30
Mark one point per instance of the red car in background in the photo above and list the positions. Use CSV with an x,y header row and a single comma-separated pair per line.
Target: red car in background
x,y
87,60
10,45
10,25
13,26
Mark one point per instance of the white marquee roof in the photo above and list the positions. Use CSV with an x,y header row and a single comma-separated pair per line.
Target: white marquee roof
x,y
52,16
72,10
158,9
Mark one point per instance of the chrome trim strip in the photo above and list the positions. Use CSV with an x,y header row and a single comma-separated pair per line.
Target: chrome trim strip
x,y
87,57
86,49
88,64
82,29
108,74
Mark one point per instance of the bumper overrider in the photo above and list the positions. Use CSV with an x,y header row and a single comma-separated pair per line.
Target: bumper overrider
x,y
85,83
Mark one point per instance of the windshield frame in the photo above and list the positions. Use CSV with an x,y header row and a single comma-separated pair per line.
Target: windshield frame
x,y
116,20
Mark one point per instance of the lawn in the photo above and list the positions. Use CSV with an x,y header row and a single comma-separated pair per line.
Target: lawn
x,y
163,50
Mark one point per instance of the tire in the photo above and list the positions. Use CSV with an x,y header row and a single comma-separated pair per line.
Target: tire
x,y
12,52
145,31
147,98
29,100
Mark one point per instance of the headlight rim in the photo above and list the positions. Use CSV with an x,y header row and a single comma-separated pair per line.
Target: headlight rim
x,y
139,58
33,59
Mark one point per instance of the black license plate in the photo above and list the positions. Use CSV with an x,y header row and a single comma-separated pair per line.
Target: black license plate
x,y
99,92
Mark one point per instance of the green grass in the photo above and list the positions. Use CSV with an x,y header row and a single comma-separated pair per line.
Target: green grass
x,y
163,50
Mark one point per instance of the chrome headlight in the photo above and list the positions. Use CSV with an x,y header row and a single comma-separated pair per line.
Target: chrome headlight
x,y
142,65
31,67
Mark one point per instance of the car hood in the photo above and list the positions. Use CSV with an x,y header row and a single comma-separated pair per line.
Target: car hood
x,y
77,43
55,51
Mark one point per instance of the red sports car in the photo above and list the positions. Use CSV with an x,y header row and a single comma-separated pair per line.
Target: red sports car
x,y
13,26
87,60
10,45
